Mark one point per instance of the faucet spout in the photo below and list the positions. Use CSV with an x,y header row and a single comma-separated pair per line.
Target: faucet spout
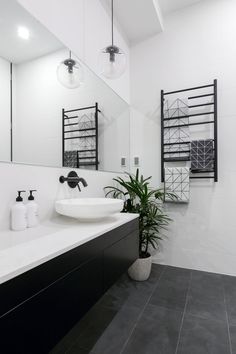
x,y
82,180
73,180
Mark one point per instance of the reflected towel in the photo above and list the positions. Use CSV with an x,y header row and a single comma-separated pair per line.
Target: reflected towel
x,y
71,159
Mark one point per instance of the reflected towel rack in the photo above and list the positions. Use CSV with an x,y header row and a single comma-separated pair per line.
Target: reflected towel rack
x,y
86,153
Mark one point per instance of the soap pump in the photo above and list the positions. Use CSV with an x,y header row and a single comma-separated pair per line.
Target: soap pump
x,y
32,210
18,214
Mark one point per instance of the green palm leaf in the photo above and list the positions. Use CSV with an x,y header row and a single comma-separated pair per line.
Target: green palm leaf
x,y
140,198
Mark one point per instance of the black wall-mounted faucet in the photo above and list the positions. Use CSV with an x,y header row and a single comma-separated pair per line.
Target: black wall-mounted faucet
x,y
73,180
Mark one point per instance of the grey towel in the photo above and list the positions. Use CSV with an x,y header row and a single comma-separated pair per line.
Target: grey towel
x,y
70,159
202,155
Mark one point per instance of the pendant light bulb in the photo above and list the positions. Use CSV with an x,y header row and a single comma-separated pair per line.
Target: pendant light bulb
x,y
112,60
70,73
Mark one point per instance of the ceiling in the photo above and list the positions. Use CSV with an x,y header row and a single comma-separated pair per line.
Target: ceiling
x,y
131,15
16,49
140,19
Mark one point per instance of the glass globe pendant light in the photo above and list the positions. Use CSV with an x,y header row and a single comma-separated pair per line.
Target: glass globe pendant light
x,y
70,73
112,60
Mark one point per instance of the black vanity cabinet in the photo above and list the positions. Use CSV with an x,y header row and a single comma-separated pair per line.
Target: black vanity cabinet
x,y
40,306
118,257
41,321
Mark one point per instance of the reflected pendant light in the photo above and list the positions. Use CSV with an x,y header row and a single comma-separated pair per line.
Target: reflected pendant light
x,y
70,73
112,60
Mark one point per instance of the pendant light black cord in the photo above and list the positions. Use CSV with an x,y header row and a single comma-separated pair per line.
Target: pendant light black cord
x,y
112,25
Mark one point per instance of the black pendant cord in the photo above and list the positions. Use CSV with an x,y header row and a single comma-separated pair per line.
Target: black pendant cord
x,y
112,23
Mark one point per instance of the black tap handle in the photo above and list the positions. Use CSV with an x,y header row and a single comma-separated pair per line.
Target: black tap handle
x,y
62,179
73,180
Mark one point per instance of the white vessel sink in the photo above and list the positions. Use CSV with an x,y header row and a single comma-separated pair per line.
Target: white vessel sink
x,y
89,208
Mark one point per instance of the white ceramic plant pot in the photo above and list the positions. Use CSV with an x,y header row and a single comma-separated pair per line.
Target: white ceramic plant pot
x,y
141,269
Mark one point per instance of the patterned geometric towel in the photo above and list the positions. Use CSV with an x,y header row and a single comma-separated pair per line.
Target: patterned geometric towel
x,y
177,182
85,158
202,155
176,108
70,159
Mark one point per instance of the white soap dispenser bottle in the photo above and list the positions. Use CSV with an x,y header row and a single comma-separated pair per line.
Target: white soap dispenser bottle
x,y
32,210
18,214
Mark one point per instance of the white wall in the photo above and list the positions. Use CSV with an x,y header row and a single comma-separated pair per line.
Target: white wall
x,y
197,46
84,27
5,109
38,122
16,177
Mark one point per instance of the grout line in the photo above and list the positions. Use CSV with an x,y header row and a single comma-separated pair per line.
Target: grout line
x,y
207,318
182,320
107,307
141,313
227,317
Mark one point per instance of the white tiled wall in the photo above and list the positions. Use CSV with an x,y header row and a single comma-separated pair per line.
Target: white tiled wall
x,y
190,53
14,177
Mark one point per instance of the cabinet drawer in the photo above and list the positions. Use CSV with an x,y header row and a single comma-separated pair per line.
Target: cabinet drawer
x,y
119,256
38,324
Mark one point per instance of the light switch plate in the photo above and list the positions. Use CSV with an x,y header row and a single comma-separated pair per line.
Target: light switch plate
x,y
123,162
136,161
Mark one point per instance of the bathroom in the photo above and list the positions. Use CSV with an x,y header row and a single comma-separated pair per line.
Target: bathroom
x,y
73,278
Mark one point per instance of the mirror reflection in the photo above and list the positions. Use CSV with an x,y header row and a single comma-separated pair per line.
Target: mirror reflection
x,y
54,110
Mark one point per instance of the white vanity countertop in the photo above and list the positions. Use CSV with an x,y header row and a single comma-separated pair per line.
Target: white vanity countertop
x,y
23,250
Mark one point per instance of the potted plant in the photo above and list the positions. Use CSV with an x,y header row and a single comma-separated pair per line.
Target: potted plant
x,y
140,198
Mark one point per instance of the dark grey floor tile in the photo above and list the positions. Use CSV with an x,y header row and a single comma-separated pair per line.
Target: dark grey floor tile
x,y
213,310
230,297
206,296
130,292
156,272
156,332
94,327
201,336
118,332
87,330
171,295
229,283
137,298
172,288
207,286
231,310
112,323
118,294
171,273
111,339
124,293
232,331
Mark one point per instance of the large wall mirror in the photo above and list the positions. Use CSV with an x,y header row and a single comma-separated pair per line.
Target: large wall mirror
x,y
54,111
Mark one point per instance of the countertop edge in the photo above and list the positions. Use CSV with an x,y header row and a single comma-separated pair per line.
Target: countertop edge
x,y
12,263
